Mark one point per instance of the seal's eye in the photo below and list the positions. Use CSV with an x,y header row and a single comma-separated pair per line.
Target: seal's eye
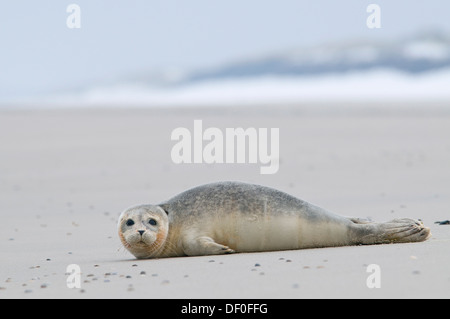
x,y
152,222
130,222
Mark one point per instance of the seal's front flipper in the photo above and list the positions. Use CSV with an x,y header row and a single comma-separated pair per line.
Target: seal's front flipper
x,y
201,246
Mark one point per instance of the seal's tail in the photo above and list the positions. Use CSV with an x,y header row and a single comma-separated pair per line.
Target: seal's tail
x,y
403,230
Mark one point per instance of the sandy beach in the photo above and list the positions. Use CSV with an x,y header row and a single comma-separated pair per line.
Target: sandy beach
x,y
66,175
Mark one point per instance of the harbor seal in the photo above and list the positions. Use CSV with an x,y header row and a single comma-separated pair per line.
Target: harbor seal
x,y
229,217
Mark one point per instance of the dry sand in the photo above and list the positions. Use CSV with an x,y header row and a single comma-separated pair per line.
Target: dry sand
x,y
65,175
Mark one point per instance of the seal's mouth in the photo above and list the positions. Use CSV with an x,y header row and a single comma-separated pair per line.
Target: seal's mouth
x,y
145,244
133,242
138,243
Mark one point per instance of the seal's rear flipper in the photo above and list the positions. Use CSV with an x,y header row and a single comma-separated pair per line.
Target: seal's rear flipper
x,y
403,230
358,220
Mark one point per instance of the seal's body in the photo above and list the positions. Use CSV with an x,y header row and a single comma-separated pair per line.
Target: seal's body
x,y
229,217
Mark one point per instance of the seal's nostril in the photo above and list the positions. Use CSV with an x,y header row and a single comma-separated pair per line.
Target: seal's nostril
x,y
141,232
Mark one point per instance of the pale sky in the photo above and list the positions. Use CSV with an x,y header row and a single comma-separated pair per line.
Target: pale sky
x,y
39,54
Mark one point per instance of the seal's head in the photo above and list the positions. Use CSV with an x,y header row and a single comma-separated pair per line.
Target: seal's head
x,y
143,230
